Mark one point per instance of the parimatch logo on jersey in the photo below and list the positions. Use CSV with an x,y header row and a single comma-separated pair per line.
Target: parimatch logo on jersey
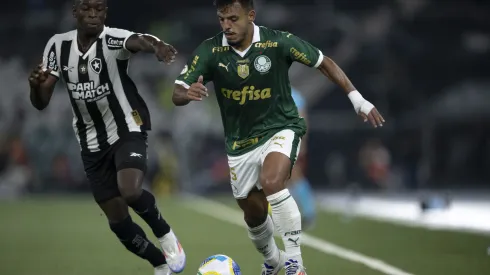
x,y
88,91
247,93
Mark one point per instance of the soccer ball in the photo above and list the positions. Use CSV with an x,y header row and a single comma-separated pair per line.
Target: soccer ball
x,y
219,265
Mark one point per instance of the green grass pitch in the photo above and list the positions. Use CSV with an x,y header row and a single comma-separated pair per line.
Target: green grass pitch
x,y
70,236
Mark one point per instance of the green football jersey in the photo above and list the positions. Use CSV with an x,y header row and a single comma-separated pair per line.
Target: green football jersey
x,y
252,87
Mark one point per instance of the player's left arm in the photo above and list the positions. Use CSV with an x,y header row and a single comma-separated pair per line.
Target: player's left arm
x,y
303,52
151,44
363,107
125,42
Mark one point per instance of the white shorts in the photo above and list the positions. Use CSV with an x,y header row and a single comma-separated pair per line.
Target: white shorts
x,y
245,169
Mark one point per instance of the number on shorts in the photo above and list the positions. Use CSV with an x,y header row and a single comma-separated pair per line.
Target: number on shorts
x,y
233,174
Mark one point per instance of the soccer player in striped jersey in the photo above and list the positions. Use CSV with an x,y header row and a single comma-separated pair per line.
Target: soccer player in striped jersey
x,y
110,121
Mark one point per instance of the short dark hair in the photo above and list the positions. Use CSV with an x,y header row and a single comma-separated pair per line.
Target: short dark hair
x,y
77,2
248,4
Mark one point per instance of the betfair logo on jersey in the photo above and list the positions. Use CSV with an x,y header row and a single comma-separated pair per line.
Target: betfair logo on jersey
x,y
247,93
300,57
88,91
220,49
266,44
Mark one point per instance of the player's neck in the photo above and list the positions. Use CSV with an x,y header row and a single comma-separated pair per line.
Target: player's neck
x,y
248,39
85,40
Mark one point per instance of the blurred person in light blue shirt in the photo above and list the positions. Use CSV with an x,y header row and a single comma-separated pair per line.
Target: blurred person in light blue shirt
x,y
299,186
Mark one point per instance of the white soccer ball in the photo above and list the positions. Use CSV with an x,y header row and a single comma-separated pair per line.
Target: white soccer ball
x,y
219,265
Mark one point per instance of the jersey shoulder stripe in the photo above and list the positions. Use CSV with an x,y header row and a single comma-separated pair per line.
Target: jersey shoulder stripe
x,y
115,38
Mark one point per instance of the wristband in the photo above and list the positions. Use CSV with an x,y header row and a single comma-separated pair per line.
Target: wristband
x,y
356,99
360,104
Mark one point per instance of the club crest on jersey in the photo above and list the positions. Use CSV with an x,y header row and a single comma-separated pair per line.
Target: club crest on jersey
x,y
96,65
243,70
262,64
82,68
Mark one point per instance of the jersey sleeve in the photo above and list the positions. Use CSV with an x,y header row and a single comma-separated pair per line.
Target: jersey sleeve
x,y
296,49
50,58
197,65
116,41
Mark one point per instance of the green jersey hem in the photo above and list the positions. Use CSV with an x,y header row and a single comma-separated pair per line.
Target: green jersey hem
x,y
264,138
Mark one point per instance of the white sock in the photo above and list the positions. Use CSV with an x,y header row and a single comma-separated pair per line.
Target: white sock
x,y
287,219
263,238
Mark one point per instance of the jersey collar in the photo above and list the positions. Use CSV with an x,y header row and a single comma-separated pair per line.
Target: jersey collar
x,y
256,38
92,48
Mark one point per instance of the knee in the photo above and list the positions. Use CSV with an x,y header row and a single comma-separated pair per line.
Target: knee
x,y
129,186
130,194
271,184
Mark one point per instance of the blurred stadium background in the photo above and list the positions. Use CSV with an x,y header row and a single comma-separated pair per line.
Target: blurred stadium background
x,y
424,64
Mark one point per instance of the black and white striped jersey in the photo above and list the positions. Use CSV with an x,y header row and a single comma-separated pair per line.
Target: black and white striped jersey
x,y
105,101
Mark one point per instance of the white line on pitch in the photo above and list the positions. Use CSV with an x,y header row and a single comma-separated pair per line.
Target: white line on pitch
x,y
227,214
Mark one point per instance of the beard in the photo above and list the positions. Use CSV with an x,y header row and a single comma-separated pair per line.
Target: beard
x,y
235,42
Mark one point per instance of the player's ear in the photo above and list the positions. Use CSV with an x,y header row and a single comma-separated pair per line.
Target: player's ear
x,y
251,15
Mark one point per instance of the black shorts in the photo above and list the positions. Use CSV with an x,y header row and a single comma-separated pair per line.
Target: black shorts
x,y
101,167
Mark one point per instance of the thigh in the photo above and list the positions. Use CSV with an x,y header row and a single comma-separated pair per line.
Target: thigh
x,y
131,152
278,158
244,173
101,174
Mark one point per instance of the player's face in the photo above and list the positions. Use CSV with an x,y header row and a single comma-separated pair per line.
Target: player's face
x,y
90,15
235,20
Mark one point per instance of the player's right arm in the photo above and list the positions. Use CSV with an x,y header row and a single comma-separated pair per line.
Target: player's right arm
x,y
43,78
190,84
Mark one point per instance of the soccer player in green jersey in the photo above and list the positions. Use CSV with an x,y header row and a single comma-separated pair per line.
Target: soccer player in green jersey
x,y
249,67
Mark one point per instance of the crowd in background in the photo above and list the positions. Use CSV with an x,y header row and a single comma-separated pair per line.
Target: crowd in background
x,y
423,63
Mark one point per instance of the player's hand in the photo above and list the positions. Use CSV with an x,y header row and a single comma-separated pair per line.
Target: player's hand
x,y
371,114
165,52
197,90
38,76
